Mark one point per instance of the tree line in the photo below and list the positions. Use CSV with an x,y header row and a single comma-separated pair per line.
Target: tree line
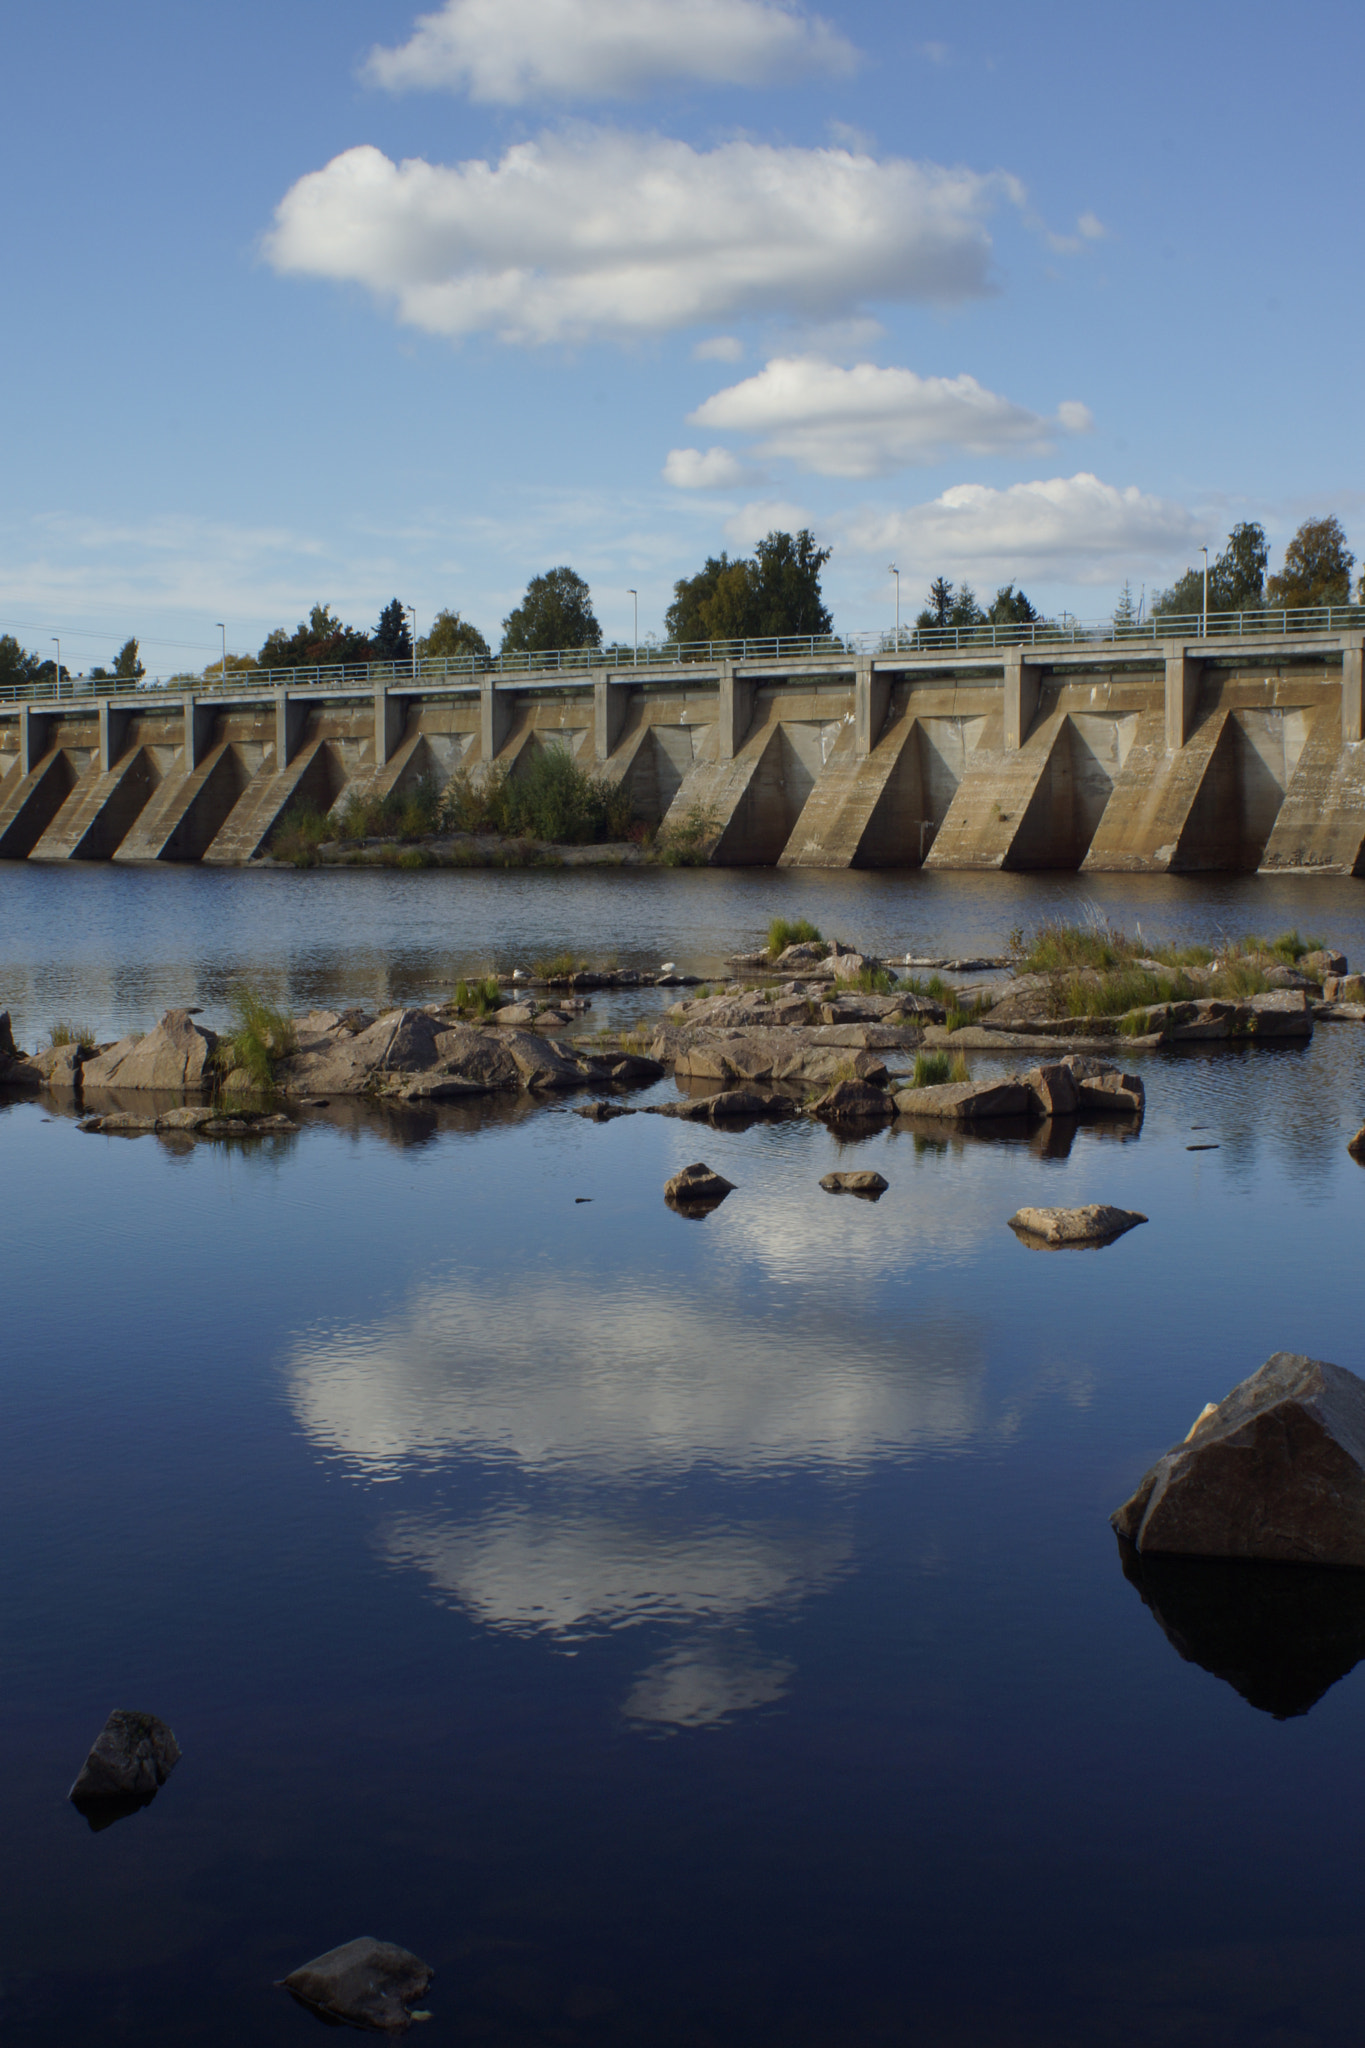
x,y
773,593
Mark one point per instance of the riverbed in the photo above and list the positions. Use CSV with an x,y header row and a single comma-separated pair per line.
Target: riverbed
x,y
676,1631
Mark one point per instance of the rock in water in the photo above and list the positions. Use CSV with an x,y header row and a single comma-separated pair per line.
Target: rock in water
x,y
133,1755
1093,1223
697,1188
869,1185
855,1102
1277,1470
364,1983
1356,1146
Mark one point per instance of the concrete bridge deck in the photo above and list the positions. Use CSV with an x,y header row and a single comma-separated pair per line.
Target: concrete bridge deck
x,y
1232,751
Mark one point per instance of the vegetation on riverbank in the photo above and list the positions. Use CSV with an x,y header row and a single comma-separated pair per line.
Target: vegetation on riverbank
x,y
262,1033
784,932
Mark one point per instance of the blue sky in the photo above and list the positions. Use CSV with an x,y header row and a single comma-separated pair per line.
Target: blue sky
x,y
330,299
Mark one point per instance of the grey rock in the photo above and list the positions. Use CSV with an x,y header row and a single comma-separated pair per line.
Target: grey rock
x,y
765,1055
1317,966
1344,988
1054,1089
967,1102
60,1066
869,1185
1093,1223
1276,1470
855,1102
176,1054
697,1187
132,1756
365,1983
603,1112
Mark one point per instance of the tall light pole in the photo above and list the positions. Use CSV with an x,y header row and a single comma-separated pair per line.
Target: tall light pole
x,y
897,574
58,645
411,611
223,630
636,595
1204,628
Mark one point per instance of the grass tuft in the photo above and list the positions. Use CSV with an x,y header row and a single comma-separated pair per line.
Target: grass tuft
x,y
784,932
262,1035
478,998
64,1032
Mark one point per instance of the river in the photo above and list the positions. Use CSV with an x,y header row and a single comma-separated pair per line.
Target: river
x,y
676,1632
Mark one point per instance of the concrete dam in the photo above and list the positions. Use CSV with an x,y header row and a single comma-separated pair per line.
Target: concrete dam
x,y
1237,751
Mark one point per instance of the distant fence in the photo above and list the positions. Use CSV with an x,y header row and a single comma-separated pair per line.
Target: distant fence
x,y
576,663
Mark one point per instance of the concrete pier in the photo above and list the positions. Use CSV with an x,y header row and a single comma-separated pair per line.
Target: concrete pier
x,y
1175,755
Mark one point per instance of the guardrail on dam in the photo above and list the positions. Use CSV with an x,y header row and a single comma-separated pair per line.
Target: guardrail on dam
x,y
1235,749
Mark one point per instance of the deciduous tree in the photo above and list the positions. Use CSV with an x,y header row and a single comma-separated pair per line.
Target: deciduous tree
x,y
18,668
450,637
1317,567
555,612
323,639
774,595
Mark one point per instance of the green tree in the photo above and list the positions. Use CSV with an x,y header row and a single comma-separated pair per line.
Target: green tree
x,y
18,668
775,595
1317,567
393,638
1010,607
555,612
323,639
128,665
450,638
1125,611
1236,578
938,605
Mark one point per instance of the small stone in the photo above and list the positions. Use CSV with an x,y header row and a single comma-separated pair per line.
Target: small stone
x,y
132,1756
1092,1223
603,1112
869,1185
364,1983
697,1187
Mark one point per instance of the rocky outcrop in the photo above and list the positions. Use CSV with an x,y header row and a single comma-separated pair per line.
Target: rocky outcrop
x,y
15,1070
968,1102
697,1188
1054,1089
365,1983
59,1067
176,1055
1093,1223
727,1106
1276,1470
131,1757
190,1122
1317,966
869,1185
792,1055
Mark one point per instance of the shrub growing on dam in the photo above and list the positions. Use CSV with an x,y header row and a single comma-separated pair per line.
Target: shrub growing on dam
x,y
550,798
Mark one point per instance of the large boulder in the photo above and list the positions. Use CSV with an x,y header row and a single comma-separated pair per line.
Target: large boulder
x,y
176,1055
15,1070
365,1983
1276,1470
1054,1089
1093,1223
1103,1089
60,1066
131,1757
855,1102
766,1055
968,1102
1317,966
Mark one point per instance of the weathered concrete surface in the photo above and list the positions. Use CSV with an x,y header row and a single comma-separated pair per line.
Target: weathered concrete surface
x,y
1276,1470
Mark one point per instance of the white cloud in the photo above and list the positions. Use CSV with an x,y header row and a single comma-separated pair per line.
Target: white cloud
x,y
1091,228
868,421
719,348
752,521
689,469
595,232
1073,527
510,51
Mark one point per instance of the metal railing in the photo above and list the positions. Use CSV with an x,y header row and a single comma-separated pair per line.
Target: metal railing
x,y
572,664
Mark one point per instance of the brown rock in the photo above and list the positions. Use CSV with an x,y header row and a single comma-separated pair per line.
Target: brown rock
x,y
967,1102
869,1185
1277,1470
697,1187
365,1983
855,1102
176,1054
132,1756
60,1066
1356,1146
1317,966
1344,988
1054,1088
1093,1223
792,1054
603,1112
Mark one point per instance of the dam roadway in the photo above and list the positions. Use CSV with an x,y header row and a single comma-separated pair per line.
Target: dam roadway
x,y
1239,749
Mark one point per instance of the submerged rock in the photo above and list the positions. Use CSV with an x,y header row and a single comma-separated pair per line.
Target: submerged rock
x,y
131,1758
1279,1634
697,1187
364,1983
869,1185
1276,1470
1093,1223
602,1112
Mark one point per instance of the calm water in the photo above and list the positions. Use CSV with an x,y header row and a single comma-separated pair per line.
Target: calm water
x,y
687,1633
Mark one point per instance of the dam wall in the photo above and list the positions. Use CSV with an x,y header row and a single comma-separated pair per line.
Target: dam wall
x,y
1172,755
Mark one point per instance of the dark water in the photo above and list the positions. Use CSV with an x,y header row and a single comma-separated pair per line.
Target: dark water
x,y
688,1633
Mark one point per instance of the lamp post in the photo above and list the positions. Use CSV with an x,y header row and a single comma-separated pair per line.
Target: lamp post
x,y
58,645
636,595
411,611
1204,624
897,574
223,630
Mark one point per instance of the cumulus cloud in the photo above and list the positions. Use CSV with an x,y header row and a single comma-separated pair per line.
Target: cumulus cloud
x,y
867,421
715,469
1074,527
510,51
596,232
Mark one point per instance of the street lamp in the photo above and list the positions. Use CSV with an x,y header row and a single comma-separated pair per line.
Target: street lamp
x,y
897,574
411,611
1204,627
636,595
58,645
223,630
